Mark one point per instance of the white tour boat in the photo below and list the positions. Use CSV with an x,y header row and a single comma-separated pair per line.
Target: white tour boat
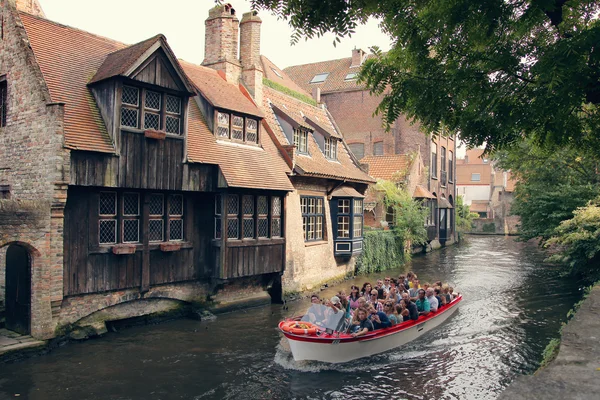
x,y
330,342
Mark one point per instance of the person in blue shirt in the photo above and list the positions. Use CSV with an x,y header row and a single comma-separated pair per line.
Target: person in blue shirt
x,y
422,303
379,318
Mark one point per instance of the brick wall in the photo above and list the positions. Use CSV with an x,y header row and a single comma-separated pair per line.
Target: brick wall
x,y
310,264
2,275
34,163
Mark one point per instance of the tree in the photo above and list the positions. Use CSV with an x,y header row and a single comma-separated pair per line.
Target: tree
x,y
464,216
491,70
551,185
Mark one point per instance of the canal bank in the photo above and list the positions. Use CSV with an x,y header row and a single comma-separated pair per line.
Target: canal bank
x,y
575,372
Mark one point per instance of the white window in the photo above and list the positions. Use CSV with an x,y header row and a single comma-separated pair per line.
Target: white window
x,y
331,148
475,177
301,140
318,78
351,76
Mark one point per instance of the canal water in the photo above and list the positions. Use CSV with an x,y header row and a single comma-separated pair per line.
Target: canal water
x,y
513,306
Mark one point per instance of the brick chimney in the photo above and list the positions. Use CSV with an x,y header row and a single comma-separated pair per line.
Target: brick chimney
x,y
252,71
30,7
358,56
221,42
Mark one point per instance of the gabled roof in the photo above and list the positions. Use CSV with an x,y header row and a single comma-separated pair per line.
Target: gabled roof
x,y
218,91
337,70
241,165
346,191
123,62
273,73
422,193
68,57
316,164
385,167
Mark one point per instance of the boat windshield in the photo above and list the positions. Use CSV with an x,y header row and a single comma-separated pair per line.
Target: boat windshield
x,y
325,317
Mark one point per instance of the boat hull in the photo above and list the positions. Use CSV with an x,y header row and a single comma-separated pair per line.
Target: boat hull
x,y
332,349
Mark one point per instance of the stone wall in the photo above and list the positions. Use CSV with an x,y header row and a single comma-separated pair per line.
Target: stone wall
x,y
310,264
34,163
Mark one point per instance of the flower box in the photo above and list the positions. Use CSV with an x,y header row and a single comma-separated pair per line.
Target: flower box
x,y
154,134
170,247
123,249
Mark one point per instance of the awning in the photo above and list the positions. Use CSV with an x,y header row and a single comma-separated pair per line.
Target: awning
x,y
444,203
346,191
422,193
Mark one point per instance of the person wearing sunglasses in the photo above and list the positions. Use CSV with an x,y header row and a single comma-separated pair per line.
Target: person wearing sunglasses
x,y
389,310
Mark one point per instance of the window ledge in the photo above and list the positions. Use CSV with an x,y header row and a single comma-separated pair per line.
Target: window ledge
x,y
120,249
315,243
154,134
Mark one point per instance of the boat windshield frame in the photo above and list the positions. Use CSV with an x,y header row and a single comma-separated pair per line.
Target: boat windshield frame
x,y
325,317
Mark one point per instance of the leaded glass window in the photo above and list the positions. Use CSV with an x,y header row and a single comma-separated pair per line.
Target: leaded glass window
x,y
233,217
276,206
151,113
107,224
312,217
131,215
251,130
175,217
237,127
222,125
263,216
173,118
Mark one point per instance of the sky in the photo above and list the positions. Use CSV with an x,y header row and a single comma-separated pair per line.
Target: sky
x,y
182,22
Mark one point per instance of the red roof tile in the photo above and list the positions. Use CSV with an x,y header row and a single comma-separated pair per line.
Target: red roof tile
x,y
346,191
242,165
422,193
218,91
316,164
68,58
273,73
335,81
386,167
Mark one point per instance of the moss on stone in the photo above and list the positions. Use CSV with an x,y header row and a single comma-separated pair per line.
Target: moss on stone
x,y
289,92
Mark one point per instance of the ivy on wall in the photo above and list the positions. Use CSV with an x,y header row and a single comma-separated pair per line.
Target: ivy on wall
x,y
381,250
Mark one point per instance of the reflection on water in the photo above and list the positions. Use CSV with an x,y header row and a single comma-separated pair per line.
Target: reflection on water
x,y
513,306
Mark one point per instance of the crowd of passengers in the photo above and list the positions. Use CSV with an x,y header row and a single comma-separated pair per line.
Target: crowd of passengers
x,y
390,302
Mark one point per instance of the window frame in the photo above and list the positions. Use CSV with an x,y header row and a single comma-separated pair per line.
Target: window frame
x,y
350,216
330,148
315,78
229,125
311,218
142,109
433,163
450,166
301,140
3,101
221,212
375,146
473,176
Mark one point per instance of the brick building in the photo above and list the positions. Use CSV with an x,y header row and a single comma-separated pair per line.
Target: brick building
x,y
334,83
132,182
487,190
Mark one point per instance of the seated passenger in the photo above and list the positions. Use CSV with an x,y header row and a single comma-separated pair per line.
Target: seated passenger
x,y
363,324
393,296
438,295
387,284
378,318
389,309
366,290
373,299
354,296
446,294
414,290
422,303
433,301
408,310
451,292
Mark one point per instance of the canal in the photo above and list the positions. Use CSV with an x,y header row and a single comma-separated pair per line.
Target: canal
x,y
513,306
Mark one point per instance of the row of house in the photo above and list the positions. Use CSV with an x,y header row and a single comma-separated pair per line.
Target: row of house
x,y
131,180
488,191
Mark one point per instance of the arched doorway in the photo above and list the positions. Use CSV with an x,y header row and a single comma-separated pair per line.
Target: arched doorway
x,y
18,289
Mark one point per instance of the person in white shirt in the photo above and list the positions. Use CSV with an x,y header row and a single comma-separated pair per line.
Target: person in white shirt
x,y
433,302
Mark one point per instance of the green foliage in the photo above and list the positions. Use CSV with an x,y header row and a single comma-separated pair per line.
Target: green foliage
x,y
552,183
409,225
493,70
289,92
579,240
464,217
381,250
550,352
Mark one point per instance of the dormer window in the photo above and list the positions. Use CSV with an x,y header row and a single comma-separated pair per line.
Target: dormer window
x,y
237,128
301,140
331,148
319,78
150,109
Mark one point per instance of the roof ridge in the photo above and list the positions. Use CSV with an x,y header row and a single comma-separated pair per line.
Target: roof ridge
x,y
78,29
127,46
318,62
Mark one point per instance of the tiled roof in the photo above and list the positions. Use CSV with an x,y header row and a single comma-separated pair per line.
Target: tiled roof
x,y
478,207
337,70
118,62
346,191
316,164
384,167
273,73
68,58
242,166
422,193
218,91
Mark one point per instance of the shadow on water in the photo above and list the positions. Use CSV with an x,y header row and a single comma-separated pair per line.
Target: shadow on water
x,y
513,307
